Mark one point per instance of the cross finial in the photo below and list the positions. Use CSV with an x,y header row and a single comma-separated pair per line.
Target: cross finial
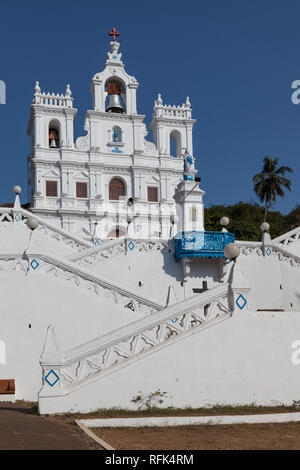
x,y
114,33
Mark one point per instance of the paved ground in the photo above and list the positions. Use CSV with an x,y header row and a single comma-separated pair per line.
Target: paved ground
x,y
22,429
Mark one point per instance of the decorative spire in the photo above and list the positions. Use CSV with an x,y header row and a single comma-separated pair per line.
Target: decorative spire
x,y
114,33
37,89
37,93
68,91
68,94
158,102
114,56
187,103
17,190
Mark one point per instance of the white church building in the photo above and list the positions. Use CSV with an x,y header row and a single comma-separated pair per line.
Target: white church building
x,y
111,285
85,186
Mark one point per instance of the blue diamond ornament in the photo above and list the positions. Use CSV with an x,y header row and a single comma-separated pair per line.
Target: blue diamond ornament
x,y
241,301
34,264
52,378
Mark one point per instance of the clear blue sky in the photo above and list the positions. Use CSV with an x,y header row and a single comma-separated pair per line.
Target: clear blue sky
x,y
236,60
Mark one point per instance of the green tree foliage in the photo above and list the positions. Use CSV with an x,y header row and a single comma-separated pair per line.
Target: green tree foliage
x,y
246,218
293,218
270,182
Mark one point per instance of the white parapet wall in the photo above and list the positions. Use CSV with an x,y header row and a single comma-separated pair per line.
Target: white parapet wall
x,y
246,359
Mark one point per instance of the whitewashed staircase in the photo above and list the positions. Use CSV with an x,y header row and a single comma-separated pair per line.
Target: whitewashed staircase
x,y
111,248
19,215
66,372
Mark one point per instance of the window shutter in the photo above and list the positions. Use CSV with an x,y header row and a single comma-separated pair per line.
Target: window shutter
x,y
81,190
51,188
152,194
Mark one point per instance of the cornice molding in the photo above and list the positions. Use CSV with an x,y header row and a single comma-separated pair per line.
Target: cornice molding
x,y
116,116
176,122
38,109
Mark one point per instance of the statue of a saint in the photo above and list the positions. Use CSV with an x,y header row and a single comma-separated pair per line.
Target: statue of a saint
x,y
189,167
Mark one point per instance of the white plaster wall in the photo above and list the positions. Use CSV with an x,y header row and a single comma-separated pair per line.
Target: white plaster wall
x,y
157,270
78,317
203,269
244,360
290,287
293,247
15,238
264,276
50,218
36,300
274,284
105,130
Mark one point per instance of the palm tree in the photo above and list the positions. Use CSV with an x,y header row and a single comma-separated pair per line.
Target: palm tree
x,y
269,183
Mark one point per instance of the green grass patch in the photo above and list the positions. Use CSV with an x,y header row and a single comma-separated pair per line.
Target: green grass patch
x,y
170,411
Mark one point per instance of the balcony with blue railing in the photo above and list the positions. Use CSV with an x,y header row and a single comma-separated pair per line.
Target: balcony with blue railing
x,y
201,244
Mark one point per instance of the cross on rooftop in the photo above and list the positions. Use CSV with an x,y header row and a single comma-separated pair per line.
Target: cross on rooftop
x,y
114,33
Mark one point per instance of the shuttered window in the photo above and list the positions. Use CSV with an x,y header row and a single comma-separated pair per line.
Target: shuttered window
x,y
51,188
152,194
193,214
81,190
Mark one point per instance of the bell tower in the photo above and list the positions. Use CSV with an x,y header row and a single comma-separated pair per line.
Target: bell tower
x,y
171,122
114,82
114,114
51,120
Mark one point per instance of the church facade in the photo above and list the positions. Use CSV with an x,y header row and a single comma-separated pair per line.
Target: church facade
x,y
112,181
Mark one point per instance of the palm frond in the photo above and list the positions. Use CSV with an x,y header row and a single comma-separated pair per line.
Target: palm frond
x,y
284,169
269,183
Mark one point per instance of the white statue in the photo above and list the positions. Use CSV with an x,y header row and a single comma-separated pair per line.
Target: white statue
x,y
189,166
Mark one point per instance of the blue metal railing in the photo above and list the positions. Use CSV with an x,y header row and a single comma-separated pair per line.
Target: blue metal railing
x,y
201,244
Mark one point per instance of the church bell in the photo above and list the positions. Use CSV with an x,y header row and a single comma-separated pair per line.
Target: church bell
x,y
114,105
52,144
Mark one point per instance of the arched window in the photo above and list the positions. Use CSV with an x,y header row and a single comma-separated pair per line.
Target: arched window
x,y
54,137
116,189
117,135
116,232
175,144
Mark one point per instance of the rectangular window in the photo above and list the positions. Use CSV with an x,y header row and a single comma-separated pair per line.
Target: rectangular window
x,y
81,190
193,214
152,194
51,188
